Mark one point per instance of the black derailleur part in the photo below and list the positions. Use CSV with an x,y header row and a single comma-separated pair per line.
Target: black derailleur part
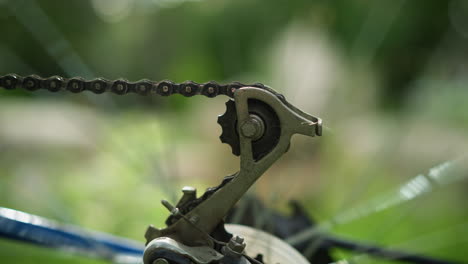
x,y
264,114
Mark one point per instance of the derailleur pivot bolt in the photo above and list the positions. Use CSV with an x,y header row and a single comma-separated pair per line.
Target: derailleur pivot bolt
x,y
253,128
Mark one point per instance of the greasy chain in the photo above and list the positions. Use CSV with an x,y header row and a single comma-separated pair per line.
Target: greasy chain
x,y
122,86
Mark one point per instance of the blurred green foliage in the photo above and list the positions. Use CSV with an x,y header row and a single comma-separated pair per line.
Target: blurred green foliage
x,y
388,78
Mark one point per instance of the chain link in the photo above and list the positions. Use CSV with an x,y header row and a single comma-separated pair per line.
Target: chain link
x,y
121,86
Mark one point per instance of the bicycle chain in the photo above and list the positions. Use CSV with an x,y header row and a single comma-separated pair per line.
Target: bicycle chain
x,y
143,87
121,86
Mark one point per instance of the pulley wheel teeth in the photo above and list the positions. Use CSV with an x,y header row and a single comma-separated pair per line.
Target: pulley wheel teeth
x,y
228,123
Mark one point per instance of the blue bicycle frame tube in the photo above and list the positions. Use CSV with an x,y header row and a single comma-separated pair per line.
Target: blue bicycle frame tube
x,y
37,230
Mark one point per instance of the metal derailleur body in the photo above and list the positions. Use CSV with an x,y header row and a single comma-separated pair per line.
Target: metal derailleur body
x,y
258,125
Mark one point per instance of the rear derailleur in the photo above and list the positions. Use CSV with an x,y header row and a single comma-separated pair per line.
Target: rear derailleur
x,y
258,125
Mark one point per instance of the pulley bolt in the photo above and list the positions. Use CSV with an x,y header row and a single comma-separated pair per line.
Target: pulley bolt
x,y
160,261
188,89
210,90
165,88
253,128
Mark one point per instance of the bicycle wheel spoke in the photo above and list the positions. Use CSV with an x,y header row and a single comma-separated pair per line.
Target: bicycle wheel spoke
x,y
14,61
377,32
434,237
45,32
421,184
372,34
55,44
171,177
